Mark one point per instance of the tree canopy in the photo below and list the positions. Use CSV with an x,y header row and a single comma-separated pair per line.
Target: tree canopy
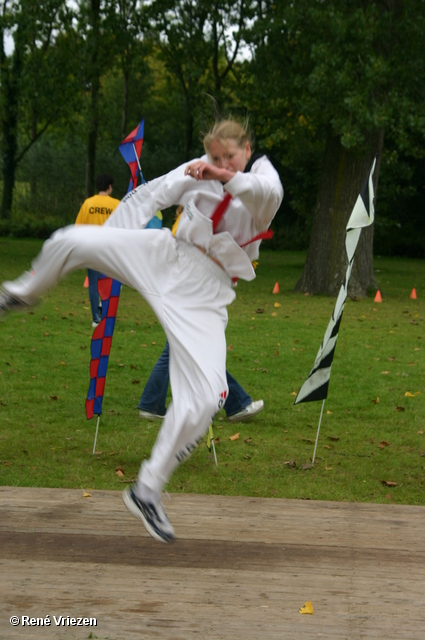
x,y
325,85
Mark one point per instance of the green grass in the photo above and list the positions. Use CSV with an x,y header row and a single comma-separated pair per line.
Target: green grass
x,y
45,439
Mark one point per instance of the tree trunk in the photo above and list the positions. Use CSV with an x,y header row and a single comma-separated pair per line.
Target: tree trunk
x,y
11,76
92,137
343,174
33,169
94,98
126,77
188,131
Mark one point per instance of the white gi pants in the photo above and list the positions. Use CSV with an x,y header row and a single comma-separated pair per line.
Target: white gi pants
x,y
189,294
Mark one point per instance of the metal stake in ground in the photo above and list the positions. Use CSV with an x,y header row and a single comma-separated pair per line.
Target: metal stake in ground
x,y
95,437
318,429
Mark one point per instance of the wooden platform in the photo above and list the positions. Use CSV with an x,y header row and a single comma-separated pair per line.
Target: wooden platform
x,y
240,569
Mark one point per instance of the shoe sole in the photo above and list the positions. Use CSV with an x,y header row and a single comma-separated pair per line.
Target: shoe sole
x,y
136,512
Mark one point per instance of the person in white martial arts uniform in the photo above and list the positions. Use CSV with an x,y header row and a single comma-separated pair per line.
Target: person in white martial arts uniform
x,y
187,280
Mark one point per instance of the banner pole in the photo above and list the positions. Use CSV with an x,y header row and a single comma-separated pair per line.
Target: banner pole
x,y
95,437
138,161
318,429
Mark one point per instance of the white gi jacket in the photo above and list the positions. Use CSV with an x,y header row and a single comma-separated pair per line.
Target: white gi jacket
x,y
256,197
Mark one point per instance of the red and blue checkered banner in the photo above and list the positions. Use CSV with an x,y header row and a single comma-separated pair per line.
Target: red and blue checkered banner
x,y
130,149
109,291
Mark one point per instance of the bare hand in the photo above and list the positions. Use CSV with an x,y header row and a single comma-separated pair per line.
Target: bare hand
x,y
200,170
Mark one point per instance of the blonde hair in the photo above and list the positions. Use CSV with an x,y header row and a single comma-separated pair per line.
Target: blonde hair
x,y
228,130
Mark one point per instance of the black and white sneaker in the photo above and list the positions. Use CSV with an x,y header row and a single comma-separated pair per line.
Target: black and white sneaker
x,y
153,516
9,303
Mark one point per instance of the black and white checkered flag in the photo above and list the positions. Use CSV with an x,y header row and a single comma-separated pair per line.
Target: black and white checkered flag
x,y
317,383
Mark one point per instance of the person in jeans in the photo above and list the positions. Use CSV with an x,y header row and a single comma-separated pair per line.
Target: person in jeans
x,y
238,406
96,210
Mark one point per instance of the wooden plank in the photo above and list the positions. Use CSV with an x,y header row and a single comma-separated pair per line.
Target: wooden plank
x,y
241,568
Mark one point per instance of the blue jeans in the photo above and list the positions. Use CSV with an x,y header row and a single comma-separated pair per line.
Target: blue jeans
x,y
155,392
93,277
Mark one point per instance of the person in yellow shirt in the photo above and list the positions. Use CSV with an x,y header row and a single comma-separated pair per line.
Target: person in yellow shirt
x,y
96,210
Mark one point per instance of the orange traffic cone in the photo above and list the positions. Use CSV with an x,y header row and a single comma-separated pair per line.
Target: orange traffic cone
x,y
378,297
86,282
413,294
276,288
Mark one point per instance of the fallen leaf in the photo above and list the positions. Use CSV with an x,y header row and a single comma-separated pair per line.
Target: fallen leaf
x,y
291,464
409,395
306,467
86,495
277,305
326,446
230,347
307,608
119,468
294,393
420,432
135,382
329,413
388,483
335,438
247,457
274,314
119,473
259,311
234,437
248,440
384,444
400,409
53,397
385,373
376,401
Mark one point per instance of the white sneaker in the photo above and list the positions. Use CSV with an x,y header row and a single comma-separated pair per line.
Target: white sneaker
x,y
248,412
94,325
150,415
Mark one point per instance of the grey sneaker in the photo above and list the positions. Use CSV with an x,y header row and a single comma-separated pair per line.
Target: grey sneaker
x,y
251,410
150,415
153,516
9,303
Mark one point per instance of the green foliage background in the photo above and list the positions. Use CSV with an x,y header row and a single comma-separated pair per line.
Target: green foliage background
x,y
295,70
